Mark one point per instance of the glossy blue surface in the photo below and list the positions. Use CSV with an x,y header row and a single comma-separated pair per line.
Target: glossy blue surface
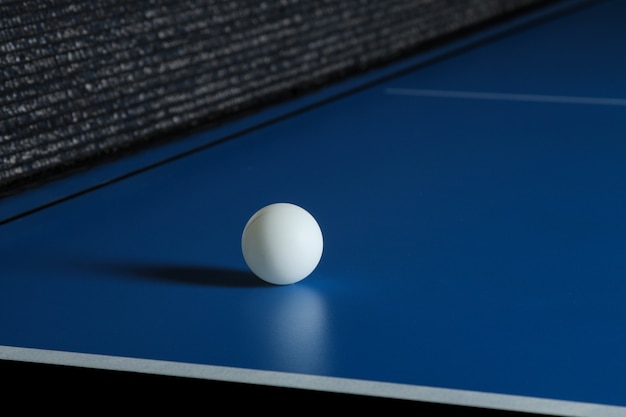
x,y
472,244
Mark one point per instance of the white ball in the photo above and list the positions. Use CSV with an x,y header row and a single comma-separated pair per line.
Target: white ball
x,y
282,243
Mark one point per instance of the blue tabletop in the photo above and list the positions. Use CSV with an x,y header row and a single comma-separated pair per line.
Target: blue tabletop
x,y
474,217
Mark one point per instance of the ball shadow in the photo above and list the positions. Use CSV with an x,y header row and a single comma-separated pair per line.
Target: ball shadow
x,y
190,275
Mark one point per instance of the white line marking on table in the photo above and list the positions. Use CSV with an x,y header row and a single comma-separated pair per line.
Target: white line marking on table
x,y
315,382
534,98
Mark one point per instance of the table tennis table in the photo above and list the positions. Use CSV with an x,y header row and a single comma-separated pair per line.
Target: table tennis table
x,y
472,200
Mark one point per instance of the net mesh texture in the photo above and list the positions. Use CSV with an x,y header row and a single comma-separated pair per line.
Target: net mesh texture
x,y
86,80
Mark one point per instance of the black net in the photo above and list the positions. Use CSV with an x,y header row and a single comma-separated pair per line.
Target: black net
x,y
81,80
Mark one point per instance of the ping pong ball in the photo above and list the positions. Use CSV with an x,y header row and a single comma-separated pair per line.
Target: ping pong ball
x,y
282,243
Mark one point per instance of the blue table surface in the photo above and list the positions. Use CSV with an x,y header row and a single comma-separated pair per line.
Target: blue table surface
x,y
474,217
